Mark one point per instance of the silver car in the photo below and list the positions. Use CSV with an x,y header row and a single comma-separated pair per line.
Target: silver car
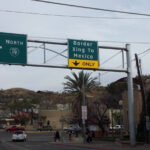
x,y
19,136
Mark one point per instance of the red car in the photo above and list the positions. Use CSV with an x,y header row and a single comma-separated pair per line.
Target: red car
x,y
15,128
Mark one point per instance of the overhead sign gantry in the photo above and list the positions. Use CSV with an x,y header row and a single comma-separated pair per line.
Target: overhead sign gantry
x,y
82,55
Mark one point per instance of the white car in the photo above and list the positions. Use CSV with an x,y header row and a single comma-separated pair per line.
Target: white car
x,y
117,127
72,128
19,136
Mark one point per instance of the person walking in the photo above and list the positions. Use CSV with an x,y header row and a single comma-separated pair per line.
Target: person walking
x,y
70,135
57,136
89,136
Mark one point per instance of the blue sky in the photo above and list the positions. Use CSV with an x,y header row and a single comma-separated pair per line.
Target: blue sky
x,y
36,27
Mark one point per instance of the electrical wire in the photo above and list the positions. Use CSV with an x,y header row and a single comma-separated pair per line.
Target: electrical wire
x,y
93,8
146,51
129,42
69,16
145,54
44,37
100,41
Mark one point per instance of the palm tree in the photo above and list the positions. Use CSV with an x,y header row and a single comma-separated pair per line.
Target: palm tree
x,y
74,85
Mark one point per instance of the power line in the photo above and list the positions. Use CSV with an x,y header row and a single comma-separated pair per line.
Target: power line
x,y
146,51
145,54
93,8
123,42
68,16
44,37
129,42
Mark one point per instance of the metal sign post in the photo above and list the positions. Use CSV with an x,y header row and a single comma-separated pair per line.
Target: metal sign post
x,y
84,110
130,98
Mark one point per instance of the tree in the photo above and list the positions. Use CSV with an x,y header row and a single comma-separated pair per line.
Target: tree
x,y
21,118
63,121
17,106
117,116
142,132
97,108
42,120
22,105
74,85
116,89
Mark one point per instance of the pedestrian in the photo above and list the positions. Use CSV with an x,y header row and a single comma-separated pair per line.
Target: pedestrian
x,y
57,136
76,133
93,134
70,135
89,137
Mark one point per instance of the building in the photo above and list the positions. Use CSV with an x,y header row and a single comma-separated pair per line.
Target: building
x,y
137,108
57,117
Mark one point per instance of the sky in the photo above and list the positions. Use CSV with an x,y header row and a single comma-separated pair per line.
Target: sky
x,y
109,32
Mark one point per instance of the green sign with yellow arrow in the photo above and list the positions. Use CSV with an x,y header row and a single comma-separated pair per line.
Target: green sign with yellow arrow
x,y
83,54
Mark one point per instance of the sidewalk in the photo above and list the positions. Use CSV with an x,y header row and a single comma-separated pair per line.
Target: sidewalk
x,y
101,145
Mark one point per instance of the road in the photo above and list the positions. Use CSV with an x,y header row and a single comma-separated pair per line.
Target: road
x,y
45,141
35,141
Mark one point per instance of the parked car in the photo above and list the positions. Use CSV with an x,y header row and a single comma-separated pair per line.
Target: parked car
x,y
45,128
117,127
2,126
73,128
15,128
19,136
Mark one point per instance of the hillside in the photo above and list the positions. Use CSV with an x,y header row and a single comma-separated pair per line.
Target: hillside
x,y
46,99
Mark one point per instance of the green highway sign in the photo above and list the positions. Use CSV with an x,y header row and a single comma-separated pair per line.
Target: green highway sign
x,y
13,48
83,54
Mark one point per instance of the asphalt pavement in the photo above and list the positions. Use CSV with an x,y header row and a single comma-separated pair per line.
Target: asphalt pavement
x,y
45,141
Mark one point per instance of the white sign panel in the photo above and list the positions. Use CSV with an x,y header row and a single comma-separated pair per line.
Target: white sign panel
x,y
84,112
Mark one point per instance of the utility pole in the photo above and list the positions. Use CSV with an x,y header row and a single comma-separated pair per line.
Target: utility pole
x,y
144,106
140,65
130,98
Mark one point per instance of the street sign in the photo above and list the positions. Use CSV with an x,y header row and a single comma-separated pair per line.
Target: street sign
x,y
13,48
83,54
84,112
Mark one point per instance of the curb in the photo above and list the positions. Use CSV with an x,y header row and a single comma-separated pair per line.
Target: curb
x,y
81,146
39,131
